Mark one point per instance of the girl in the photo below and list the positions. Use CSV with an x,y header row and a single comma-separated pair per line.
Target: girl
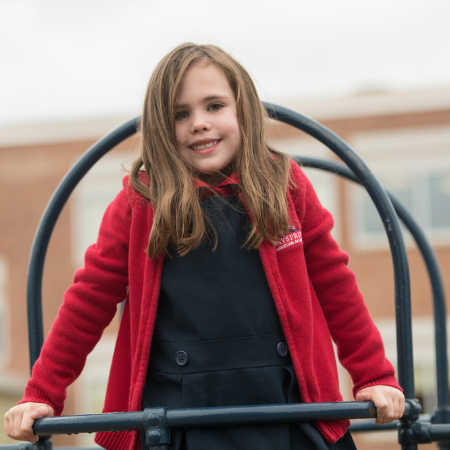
x,y
235,284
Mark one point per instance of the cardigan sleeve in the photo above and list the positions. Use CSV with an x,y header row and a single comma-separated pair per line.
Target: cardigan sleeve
x,y
359,345
89,306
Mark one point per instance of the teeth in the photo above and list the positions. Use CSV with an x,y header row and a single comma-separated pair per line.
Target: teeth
x,y
201,147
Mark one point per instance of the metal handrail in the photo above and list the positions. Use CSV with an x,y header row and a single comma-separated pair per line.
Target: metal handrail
x,y
206,417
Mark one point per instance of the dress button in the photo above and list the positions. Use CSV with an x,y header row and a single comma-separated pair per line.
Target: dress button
x,y
181,358
282,349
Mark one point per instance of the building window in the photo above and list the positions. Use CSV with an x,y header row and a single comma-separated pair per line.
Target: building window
x,y
426,193
439,194
413,164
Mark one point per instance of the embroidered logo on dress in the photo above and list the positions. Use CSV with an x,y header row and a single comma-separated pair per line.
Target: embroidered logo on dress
x,y
292,237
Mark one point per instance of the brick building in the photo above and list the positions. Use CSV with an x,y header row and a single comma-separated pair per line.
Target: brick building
x,y
403,137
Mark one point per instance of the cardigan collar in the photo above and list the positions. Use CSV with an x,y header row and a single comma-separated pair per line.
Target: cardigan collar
x,y
227,188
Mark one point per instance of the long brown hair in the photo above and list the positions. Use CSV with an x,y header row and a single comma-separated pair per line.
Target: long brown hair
x,y
263,172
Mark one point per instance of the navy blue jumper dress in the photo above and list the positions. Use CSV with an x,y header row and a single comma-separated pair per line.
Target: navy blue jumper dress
x,y
218,341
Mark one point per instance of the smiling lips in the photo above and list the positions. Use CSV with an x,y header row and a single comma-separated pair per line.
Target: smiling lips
x,y
203,144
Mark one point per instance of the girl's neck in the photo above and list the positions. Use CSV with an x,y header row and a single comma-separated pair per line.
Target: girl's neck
x,y
214,179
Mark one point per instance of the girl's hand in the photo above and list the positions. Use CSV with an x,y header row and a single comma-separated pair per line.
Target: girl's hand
x,y
19,420
389,401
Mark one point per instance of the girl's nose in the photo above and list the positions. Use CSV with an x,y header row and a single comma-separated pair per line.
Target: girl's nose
x,y
200,123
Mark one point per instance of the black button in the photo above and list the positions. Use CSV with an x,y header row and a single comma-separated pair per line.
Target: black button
x,y
181,358
282,349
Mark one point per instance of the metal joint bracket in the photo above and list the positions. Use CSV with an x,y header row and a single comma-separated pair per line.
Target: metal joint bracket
x,y
157,433
44,443
414,433
413,409
441,414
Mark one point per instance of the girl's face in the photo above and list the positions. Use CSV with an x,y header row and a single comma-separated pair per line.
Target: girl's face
x,y
206,126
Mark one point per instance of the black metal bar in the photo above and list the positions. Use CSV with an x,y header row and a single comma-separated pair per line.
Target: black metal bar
x,y
47,223
23,446
440,432
367,426
197,417
423,433
239,415
371,426
30,446
42,444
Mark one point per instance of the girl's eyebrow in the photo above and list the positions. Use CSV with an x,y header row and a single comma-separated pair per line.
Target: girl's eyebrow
x,y
205,100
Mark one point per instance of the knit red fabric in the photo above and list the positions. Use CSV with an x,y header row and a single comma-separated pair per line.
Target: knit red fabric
x,y
315,294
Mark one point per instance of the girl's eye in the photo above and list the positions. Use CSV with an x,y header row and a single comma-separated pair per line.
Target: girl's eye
x,y
215,107
180,115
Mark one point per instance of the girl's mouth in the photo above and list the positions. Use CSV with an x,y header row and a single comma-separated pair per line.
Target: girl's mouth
x,y
204,146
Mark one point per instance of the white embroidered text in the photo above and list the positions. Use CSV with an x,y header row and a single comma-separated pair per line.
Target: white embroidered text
x,y
289,239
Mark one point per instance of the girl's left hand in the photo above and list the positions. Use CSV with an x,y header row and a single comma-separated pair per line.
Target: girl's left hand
x,y
389,401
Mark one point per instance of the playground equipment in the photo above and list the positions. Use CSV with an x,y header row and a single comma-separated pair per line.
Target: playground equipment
x,y
157,421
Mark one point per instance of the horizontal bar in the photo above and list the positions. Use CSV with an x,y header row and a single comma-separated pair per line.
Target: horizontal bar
x,y
31,446
197,417
239,415
22,446
364,426
440,432
89,423
370,425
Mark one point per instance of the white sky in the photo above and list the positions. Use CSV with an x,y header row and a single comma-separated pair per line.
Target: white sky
x,y
66,59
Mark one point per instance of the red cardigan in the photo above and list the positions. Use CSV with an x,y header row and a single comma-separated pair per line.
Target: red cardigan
x,y
315,294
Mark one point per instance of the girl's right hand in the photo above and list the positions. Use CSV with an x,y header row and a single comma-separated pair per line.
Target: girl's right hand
x,y
19,420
